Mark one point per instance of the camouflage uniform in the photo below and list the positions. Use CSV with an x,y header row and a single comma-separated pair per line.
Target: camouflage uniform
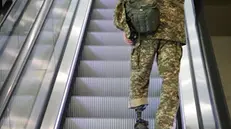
x,y
167,45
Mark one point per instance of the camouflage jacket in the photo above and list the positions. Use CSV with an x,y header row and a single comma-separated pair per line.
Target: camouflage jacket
x,y
171,17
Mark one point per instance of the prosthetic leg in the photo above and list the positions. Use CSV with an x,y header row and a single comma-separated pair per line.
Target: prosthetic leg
x,y
140,123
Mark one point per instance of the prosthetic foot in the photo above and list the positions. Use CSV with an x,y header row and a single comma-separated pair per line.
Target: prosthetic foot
x,y
140,123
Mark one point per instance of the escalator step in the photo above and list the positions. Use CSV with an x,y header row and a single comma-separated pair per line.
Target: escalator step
x,y
116,107
111,87
105,4
105,39
102,26
95,123
102,14
108,69
106,53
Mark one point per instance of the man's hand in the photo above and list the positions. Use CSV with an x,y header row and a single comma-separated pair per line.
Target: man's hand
x,y
128,41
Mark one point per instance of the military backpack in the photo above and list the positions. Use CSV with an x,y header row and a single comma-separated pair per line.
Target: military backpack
x,y
143,16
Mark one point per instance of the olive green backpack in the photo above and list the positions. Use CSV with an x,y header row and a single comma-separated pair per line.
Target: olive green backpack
x,y
143,16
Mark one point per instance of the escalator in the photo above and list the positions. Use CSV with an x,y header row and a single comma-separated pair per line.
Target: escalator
x,y
91,87
75,73
99,93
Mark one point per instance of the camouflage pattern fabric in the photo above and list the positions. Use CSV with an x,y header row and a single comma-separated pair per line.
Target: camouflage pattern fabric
x,y
169,55
171,20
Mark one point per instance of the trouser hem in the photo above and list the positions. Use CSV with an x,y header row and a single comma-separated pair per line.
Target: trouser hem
x,y
137,102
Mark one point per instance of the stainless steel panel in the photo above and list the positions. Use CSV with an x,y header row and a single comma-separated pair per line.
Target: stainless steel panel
x,y
13,16
21,60
58,96
35,79
40,57
12,43
28,18
30,82
188,106
19,106
197,67
51,58
47,37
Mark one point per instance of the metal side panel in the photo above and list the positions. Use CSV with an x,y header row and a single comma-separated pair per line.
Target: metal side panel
x,y
196,103
54,111
11,39
40,67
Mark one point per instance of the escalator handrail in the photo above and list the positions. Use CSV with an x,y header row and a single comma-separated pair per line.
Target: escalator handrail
x,y
24,53
54,112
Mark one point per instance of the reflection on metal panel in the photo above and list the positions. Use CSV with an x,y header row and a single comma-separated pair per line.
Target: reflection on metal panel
x,y
197,67
61,86
188,107
35,82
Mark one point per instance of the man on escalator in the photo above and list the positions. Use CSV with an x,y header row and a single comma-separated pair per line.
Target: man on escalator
x,y
153,28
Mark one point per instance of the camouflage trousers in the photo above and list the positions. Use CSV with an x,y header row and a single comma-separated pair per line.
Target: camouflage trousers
x,y
168,55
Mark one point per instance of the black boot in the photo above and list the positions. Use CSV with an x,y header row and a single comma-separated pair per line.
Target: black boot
x,y
140,123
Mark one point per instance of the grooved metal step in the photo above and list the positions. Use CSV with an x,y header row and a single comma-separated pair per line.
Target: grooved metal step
x,y
102,14
111,87
105,4
105,39
100,123
108,69
107,107
106,53
102,25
